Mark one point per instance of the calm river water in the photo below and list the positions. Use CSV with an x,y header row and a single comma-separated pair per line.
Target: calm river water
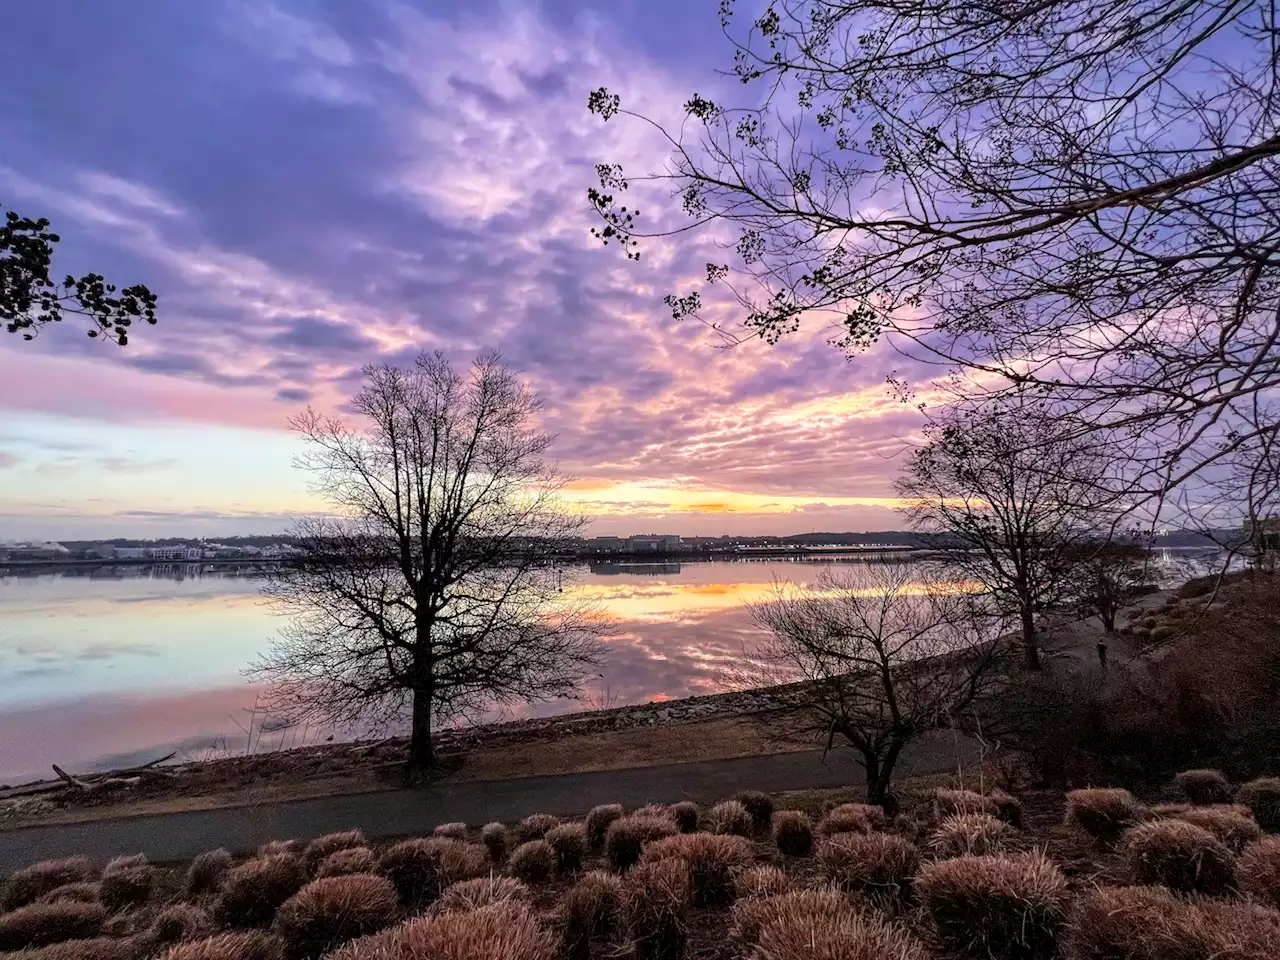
x,y
123,664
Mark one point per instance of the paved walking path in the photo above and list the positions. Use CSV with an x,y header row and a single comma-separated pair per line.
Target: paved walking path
x,y
178,836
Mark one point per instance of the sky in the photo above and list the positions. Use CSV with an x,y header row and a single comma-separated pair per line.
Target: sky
x,y
312,186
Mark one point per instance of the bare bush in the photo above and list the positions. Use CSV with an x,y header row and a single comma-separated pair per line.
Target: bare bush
x,y
420,869
852,936
332,910
853,818
1180,856
760,881
1260,870
685,814
730,817
471,895
714,861
26,885
37,924
792,833
252,891
207,872
1006,908
535,826
1103,813
598,821
591,911
533,862
625,838
320,848
970,834
1262,796
753,914
494,838
880,866
1204,787
344,862
656,899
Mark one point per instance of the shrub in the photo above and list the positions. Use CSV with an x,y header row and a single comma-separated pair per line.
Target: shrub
x,y
533,862
970,834
1236,830
1262,796
626,837
713,860
598,821
321,847
252,891
997,907
1104,814
1260,870
759,807
656,898
879,865
250,945
730,817
1008,807
349,861
1180,856
852,818
421,869
1204,787
471,895
591,910
29,883
569,841
842,936
494,838
452,831
760,881
535,826
207,872
180,923
792,833
500,931
126,882
332,910
752,914
685,814
39,923
86,891
949,802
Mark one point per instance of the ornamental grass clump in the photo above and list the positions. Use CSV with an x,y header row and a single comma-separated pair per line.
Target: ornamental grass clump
x,y
880,866
1262,797
947,803
37,924
247,945
533,862
1204,787
332,910
1103,813
452,831
180,923
999,907
752,914
86,891
320,848
656,900
207,872
569,841
970,834
471,895
1231,824
761,880
500,931
626,837
598,821
494,838
685,814
252,891
759,807
730,817
852,818
1260,870
792,833
1179,855
126,882
420,869
345,862
851,936
714,861
535,826
28,884
591,912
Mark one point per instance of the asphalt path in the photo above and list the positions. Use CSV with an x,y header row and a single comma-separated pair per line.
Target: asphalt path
x,y
396,813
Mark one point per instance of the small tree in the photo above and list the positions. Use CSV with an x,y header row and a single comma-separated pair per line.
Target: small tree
x,y
432,590
875,656
1012,491
1106,577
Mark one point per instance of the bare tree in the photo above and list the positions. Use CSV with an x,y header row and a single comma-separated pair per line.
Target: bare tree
x,y
431,591
876,657
1077,195
1011,491
1105,577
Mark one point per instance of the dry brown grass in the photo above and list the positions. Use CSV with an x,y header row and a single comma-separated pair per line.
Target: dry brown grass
x,y
686,815
207,872
247,945
500,931
86,891
344,862
533,862
94,948
591,911
625,838
759,806
471,895
420,869
1180,856
37,924
1008,807
656,897
852,818
598,821
28,884
1260,870
1003,908
126,882
714,861
1262,797
1231,824
730,817
494,838
792,833
252,891
319,849
332,910
842,936
535,826
880,866
1204,787
947,802
180,923
452,831
969,835
569,841
1103,813
274,847
762,880
752,914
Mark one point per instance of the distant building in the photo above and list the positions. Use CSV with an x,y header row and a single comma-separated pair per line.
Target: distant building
x,y
654,543
608,545
129,553
181,552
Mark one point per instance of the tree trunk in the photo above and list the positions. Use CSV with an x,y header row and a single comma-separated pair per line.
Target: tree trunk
x,y
422,751
1030,649
877,782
